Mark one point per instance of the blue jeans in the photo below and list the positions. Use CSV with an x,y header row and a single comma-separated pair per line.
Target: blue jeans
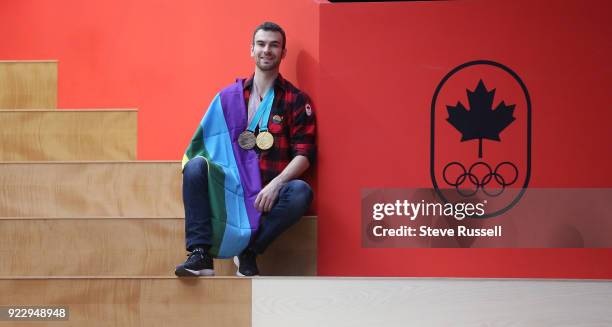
x,y
293,201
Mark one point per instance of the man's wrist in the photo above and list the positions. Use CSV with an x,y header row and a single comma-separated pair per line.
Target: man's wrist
x,y
279,180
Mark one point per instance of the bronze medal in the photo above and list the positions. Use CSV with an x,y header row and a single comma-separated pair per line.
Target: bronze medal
x,y
265,140
246,140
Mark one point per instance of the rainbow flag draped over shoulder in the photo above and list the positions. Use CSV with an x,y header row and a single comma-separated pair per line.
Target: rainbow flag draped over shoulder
x,y
233,173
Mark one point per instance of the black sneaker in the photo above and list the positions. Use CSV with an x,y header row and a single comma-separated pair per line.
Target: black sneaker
x,y
199,263
247,264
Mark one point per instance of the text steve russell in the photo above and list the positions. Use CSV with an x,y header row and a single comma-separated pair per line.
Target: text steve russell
x,y
426,231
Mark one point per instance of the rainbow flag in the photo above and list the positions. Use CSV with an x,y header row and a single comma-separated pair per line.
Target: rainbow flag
x,y
233,173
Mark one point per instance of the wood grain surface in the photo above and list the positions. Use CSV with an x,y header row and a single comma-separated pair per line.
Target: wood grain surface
x,y
28,84
141,301
91,189
68,135
131,247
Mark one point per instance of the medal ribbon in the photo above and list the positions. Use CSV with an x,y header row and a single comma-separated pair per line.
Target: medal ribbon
x,y
264,109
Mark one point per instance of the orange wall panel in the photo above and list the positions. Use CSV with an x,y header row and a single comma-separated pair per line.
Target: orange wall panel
x,y
166,58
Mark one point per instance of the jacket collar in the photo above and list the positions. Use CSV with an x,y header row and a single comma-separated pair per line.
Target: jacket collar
x,y
279,82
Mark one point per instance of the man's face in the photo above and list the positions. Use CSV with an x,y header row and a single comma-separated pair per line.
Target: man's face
x,y
267,50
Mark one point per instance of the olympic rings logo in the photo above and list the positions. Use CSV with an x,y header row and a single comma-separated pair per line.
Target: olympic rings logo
x,y
480,184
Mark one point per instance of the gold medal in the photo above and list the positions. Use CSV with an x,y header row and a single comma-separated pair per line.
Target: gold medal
x,y
265,140
246,140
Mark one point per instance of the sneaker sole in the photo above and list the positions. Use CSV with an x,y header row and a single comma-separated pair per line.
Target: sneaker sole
x,y
184,272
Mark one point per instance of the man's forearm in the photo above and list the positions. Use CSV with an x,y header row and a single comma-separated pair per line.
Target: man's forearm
x,y
266,197
298,165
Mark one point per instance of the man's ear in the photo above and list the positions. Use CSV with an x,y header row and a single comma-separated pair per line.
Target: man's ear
x,y
284,53
252,51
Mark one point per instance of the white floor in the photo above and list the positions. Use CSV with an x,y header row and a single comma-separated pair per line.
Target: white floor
x,y
321,302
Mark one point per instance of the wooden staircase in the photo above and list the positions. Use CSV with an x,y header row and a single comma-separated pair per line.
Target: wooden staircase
x,y
84,224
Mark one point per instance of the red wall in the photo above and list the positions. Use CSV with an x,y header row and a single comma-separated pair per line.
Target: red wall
x,y
380,65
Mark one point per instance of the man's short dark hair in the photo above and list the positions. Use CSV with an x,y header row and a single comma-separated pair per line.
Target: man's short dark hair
x,y
269,26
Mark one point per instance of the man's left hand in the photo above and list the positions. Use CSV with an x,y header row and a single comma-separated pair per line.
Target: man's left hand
x,y
267,196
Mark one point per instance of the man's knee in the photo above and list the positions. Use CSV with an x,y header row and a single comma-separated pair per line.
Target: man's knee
x,y
300,191
195,168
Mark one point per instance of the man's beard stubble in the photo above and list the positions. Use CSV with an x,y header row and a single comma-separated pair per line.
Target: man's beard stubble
x,y
275,64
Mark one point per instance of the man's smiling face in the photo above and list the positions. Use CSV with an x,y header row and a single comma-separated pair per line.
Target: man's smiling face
x,y
267,50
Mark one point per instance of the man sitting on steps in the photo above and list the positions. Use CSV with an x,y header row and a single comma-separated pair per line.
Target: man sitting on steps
x,y
277,133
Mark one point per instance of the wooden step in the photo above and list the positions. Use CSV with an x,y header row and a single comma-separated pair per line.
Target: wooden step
x,y
28,84
91,189
137,301
131,246
68,135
